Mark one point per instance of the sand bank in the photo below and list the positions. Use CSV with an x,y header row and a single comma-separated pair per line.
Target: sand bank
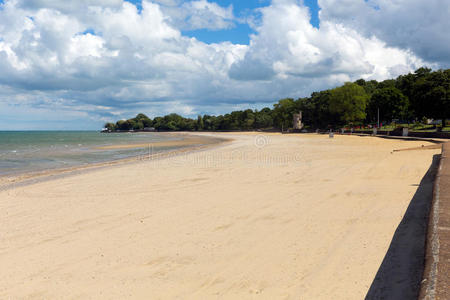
x,y
266,216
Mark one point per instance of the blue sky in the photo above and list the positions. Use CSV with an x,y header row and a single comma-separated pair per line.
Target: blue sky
x,y
79,64
240,32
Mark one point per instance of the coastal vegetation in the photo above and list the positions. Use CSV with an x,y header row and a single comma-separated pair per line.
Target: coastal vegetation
x,y
413,98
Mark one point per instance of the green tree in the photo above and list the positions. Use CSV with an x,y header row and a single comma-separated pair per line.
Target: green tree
x,y
369,86
110,126
248,119
138,125
147,123
173,122
199,125
144,120
386,83
283,113
207,122
405,84
130,124
431,93
227,122
263,118
391,103
122,125
349,102
141,117
189,124
316,110
158,123
171,125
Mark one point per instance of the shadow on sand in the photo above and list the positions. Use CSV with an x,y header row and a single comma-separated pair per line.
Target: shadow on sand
x,y
401,271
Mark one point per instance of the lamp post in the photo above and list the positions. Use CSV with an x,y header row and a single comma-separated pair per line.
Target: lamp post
x,y
378,122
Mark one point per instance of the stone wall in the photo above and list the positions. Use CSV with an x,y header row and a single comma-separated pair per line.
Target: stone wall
x,y
436,278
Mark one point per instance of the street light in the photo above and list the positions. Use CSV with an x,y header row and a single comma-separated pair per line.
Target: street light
x,y
378,118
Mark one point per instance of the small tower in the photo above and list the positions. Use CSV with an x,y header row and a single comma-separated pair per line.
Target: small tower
x,y
298,121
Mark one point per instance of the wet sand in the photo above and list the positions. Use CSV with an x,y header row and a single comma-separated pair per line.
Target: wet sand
x,y
266,216
188,140
156,150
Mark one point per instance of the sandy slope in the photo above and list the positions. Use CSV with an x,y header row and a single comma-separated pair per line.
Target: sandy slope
x,y
292,217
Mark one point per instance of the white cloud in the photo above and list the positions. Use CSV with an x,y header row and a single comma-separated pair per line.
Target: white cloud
x,y
107,54
421,26
291,46
198,14
204,14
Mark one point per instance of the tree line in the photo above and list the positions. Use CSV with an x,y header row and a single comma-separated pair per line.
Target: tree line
x,y
408,98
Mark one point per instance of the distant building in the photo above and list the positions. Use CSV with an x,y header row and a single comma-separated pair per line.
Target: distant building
x,y
149,129
298,125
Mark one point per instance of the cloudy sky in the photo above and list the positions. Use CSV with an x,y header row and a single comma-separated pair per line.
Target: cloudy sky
x,y
77,64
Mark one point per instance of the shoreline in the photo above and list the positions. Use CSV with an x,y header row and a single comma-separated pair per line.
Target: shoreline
x,y
192,144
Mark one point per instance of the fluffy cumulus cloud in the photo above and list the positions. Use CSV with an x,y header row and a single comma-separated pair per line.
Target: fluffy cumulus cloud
x,y
291,47
86,62
417,25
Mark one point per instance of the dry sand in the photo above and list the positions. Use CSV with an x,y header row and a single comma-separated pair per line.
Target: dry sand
x,y
262,217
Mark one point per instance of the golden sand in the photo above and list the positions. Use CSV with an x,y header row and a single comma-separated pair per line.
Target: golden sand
x,y
265,216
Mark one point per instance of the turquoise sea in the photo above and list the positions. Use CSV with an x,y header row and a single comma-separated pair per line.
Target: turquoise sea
x,y
25,151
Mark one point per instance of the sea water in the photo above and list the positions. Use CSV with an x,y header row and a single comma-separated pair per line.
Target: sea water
x,y
25,151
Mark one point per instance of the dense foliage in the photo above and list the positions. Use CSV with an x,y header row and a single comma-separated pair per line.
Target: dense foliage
x,y
349,102
415,96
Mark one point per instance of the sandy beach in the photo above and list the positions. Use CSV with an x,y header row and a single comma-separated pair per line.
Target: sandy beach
x,y
266,216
